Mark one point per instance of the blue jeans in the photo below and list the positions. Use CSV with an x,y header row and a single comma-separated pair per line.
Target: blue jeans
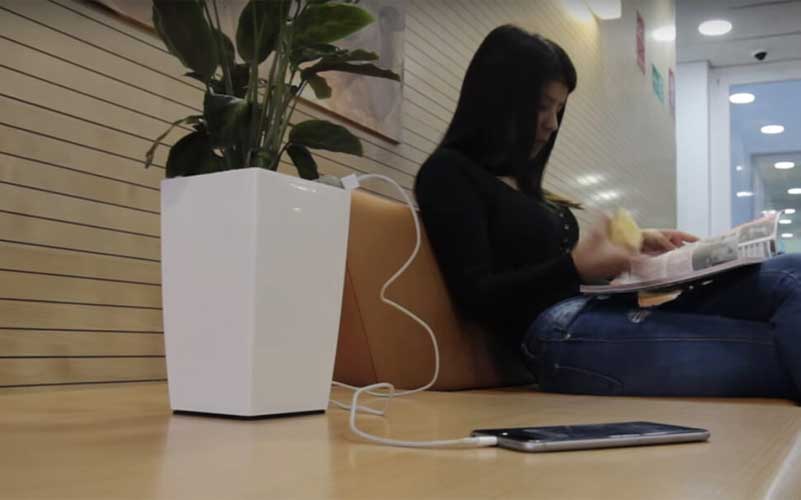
x,y
737,336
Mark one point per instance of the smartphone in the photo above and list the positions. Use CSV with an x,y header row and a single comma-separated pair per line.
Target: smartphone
x,y
590,436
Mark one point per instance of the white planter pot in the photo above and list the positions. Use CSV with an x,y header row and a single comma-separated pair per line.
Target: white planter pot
x,y
253,266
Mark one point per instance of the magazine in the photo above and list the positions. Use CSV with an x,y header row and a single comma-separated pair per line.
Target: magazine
x,y
749,243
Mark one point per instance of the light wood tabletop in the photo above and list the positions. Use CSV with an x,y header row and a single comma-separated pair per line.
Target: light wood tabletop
x,y
121,441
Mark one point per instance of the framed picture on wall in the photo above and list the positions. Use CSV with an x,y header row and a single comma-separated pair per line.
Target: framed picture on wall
x,y
371,104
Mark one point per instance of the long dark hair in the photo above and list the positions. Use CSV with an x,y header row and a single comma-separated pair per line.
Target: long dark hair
x,y
495,123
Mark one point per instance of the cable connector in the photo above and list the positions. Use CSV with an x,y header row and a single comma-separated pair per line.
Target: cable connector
x,y
350,182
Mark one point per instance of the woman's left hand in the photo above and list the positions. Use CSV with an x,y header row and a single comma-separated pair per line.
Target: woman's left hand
x,y
656,241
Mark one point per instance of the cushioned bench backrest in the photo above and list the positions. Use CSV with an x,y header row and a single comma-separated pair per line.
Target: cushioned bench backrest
x,y
377,343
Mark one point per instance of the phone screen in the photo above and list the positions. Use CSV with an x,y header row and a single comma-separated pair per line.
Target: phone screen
x,y
593,435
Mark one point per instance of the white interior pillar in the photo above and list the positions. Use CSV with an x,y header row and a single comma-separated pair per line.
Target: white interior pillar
x,y
692,148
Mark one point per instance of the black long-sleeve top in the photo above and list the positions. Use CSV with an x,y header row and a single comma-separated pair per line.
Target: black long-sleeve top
x,y
505,255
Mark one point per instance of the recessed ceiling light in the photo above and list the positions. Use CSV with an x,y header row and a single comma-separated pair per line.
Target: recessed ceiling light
x,y
794,191
785,221
784,165
744,194
665,34
787,235
738,168
789,211
741,98
714,27
772,129
768,212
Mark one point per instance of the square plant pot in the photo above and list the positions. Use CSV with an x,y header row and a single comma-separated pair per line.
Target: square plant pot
x,y
253,266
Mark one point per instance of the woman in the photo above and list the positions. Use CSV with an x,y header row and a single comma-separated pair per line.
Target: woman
x,y
512,259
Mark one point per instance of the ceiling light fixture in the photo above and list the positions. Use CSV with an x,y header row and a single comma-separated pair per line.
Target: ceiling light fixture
x,y
714,27
787,235
772,129
784,165
785,221
789,211
738,168
794,191
742,98
744,194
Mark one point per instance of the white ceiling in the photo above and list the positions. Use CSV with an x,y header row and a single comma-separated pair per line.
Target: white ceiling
x,y
771,25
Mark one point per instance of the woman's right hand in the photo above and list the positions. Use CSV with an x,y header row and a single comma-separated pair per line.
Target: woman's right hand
x,y
597,258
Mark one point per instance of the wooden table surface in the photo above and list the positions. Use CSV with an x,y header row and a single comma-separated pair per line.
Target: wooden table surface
x,y
121,441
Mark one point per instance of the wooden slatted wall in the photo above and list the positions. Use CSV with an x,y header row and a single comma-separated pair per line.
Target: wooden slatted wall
x,y
82,93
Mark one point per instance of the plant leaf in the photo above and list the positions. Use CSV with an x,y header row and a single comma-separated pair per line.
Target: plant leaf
x,y
258,29
193,155
330,54
321,88
189,120
321,134
229,52
328,23
228,119
303,160
305,54
186,34
240,77
359,69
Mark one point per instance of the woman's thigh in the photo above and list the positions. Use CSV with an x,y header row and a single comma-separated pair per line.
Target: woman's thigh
x,y
593,346
753,293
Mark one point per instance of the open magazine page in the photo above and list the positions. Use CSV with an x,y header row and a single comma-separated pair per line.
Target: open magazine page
x,y
748,243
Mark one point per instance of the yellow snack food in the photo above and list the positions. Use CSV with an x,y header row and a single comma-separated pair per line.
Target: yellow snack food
x,y
624,231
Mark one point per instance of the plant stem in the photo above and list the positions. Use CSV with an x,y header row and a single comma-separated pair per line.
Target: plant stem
x,y
253,97
287,116
279,119
228,85
268,104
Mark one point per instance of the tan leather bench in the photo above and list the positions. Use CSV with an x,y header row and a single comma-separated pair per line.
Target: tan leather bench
x,y
377,343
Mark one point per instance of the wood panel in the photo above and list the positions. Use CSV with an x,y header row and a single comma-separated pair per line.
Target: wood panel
x,y
48,26
31,229
38,202
51,316
65,344
36,371
22,257
66,181
27,286
35,144
33,117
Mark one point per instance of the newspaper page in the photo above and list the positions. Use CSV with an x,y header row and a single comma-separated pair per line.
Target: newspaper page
x,y
746,244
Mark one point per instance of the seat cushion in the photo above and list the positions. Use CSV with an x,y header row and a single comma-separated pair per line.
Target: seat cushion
x,y
378,343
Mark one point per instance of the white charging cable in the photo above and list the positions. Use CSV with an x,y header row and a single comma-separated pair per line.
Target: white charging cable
x,y
350,183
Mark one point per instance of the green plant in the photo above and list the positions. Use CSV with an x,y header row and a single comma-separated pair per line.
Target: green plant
x,y
245,117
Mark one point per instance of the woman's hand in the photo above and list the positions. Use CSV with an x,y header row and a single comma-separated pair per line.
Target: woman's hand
x,y
596,257
656,241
